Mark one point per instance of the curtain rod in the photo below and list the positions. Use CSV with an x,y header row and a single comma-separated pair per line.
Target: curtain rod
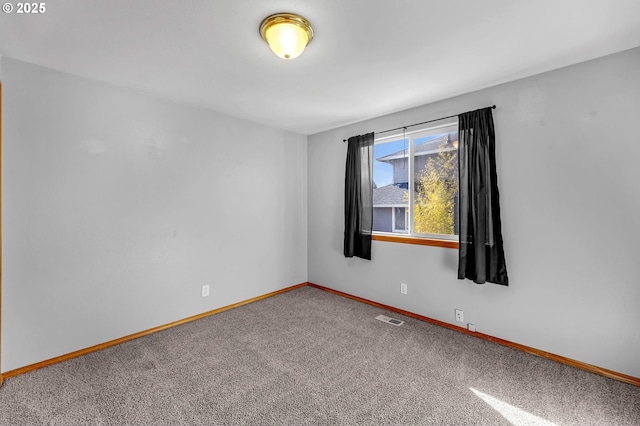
x,y
425,122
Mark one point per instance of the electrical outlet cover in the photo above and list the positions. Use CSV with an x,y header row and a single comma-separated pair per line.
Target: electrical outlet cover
x,y
459,315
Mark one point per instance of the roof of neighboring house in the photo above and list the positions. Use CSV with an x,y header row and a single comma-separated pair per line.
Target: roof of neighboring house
x,y
425,148
389,195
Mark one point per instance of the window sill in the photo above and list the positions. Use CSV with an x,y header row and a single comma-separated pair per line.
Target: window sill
x,y
415,240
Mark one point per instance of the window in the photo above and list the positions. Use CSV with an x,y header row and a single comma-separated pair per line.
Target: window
x,y
415,181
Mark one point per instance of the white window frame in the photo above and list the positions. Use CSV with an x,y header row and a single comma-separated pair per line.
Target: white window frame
x,y
422,131
394,230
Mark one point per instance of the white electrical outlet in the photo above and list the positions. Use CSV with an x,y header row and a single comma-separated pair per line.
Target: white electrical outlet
x,y
205,290
459,315
403,288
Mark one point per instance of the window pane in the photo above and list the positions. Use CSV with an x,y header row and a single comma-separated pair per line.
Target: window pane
x,y
391,183
401,222
436,183
416,182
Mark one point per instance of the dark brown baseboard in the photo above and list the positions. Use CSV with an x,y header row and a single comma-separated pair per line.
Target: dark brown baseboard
x,y
62,358
568,361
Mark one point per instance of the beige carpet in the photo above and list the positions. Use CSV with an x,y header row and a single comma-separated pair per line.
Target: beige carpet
x,y
311,357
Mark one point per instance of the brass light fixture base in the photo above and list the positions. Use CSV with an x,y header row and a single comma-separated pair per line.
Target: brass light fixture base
x,y
286,33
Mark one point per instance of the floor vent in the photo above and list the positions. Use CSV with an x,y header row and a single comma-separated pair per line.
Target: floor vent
x,y
390,320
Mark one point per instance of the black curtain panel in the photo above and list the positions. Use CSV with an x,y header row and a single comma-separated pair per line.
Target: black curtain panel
x,y
358,197
481,253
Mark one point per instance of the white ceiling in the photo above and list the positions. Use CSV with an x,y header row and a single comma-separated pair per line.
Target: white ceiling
x,y
368,57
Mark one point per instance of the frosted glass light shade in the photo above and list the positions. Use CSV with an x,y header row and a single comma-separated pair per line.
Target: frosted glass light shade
x,y
287,34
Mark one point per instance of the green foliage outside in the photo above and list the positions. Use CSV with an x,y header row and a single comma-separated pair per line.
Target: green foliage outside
x,y
436,187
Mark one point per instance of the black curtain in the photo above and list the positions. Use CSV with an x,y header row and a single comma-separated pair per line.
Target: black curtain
x,y
481,253
358,197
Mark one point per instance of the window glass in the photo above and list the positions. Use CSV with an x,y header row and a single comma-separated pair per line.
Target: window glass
x,y
416,183
391,184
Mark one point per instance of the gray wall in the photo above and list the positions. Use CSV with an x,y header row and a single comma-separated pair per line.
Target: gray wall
x,y
569,183
118,206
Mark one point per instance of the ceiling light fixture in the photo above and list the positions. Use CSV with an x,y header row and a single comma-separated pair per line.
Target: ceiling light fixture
x,y
287,34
